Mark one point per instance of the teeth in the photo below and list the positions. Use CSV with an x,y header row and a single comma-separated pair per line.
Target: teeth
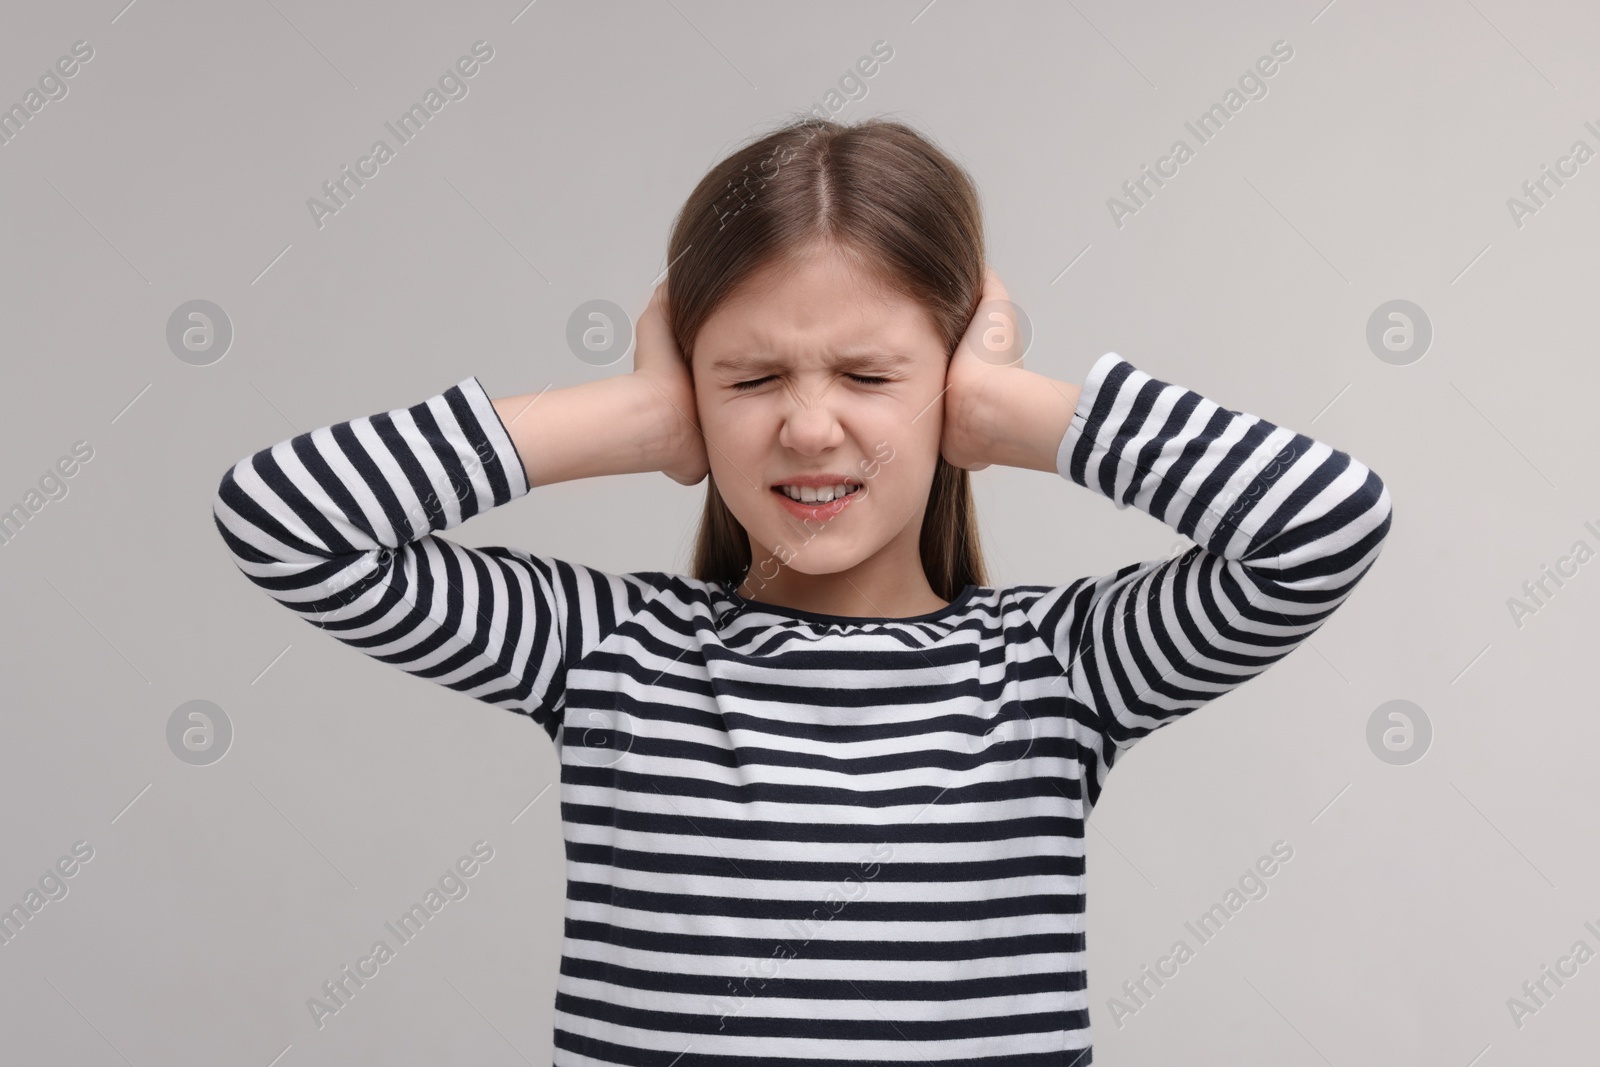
x,y
822,495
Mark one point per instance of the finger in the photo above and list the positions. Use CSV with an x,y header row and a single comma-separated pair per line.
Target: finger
x,y
993,287
653,307
654,337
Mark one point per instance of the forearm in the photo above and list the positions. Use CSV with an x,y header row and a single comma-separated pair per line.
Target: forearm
x,y
1283,525
1027,415
320,518
604,427
1230,481
342,525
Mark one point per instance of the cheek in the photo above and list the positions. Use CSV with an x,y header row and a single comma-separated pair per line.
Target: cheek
x,y
737,456
735,440
904,442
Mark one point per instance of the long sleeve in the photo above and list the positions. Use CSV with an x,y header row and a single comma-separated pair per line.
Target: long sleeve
x,y
1284,527
341,526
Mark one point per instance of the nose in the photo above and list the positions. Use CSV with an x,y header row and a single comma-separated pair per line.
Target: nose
x,y
809,426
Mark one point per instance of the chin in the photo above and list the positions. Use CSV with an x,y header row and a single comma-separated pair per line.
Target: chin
x,y
826,553
823,563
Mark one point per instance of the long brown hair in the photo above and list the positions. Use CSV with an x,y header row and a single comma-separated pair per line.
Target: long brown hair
x,y
904,211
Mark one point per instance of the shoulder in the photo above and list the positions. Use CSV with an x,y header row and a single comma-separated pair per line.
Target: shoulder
x,y
663,592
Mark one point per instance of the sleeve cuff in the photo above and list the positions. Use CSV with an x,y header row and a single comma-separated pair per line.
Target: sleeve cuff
x,y
1093,385
492,438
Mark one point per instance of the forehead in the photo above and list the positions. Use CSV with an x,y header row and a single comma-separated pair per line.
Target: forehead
x,y
822,302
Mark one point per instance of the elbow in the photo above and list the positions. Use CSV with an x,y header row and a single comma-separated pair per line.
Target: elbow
x,y
1338,550
1371,521
219,497
226,502
1380,510
1367,512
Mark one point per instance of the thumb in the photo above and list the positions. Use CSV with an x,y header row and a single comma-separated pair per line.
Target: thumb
x,y
655,344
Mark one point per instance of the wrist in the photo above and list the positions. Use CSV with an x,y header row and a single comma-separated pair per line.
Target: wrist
x,y
644,425
1027,415
662,422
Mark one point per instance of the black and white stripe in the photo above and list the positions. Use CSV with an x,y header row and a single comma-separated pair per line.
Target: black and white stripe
x,y
1283,525
796,839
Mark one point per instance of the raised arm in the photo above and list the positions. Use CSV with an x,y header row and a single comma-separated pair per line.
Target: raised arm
x,y
1284,525
341,525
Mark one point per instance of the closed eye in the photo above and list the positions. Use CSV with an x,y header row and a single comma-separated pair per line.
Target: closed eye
x,y
864,380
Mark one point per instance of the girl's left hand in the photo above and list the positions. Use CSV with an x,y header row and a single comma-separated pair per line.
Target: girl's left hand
x,y
972,382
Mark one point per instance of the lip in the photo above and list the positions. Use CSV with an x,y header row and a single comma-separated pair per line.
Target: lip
x,y
817,481
822,512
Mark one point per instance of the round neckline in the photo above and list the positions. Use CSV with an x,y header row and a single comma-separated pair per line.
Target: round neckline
x,y
951,608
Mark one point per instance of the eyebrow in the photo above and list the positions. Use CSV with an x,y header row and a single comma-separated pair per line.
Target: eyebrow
x,y
765,363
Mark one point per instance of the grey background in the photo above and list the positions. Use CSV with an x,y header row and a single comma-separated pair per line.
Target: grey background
x,y
1378,167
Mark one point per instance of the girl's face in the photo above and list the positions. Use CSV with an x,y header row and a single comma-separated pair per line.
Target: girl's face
x,y
818,377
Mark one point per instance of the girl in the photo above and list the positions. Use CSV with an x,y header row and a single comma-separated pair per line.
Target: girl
x,y
824,797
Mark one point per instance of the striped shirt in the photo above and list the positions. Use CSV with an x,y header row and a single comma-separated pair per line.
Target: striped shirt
x,y
798,839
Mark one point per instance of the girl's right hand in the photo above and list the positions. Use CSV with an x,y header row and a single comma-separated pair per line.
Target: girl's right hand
x,y
659,366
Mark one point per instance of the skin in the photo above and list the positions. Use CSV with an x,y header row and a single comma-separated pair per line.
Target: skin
x,y
794,374
828,399
813,323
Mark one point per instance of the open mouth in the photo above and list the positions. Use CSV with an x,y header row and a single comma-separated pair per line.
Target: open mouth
x,y
825,494
819,502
